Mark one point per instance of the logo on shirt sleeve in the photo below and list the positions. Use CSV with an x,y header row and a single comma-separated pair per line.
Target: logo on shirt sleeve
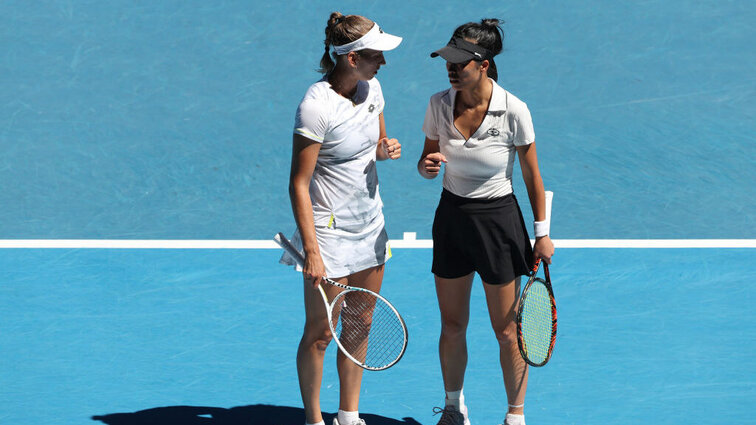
x,y
371,108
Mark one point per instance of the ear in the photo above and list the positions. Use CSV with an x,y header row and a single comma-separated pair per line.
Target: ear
x,y
484,66
351,58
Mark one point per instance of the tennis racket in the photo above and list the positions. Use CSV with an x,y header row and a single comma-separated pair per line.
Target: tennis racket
x,y
366,327
536,312
537,318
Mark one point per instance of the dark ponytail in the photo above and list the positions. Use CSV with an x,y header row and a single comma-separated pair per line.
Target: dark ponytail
x,y
341,30
488,34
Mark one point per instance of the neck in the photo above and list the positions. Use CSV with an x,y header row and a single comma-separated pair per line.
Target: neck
x,y
477,95
343,82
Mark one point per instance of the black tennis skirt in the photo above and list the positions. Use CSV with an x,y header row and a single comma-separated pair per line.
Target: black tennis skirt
x,y
487,236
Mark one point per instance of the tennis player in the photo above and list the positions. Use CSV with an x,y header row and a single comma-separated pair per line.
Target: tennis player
x,y
475,128
339,133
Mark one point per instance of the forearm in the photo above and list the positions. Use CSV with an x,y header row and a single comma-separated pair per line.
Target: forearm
x,y
380,151
536,194
301,206
531,175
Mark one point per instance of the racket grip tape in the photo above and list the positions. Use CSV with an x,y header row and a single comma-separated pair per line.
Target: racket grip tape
x,y
289,248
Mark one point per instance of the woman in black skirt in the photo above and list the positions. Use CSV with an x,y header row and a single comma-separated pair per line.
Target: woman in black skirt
x,y
475,127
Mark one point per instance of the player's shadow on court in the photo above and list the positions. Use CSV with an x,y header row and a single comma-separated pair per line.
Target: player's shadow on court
x,y
258,414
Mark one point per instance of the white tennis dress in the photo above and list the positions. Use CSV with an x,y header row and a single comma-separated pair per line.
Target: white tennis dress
x,y
347,208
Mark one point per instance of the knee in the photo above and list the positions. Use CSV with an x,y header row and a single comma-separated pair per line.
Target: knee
x,y
317,337
453,327
322,343
506,335
360,319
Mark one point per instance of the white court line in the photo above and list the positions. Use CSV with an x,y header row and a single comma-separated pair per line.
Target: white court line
x,y
655,243
409,241
137,243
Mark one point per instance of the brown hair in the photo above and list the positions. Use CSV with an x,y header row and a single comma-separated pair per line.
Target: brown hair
x,y
342,30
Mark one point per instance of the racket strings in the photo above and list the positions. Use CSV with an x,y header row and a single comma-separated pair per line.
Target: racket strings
x,y
368,329
537,323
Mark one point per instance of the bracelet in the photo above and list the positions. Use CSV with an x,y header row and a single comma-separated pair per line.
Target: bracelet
x,y
541,228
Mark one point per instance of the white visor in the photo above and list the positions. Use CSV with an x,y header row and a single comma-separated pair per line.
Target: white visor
x,y
375,39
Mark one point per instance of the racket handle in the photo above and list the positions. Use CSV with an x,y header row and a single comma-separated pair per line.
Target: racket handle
x,y
536,267
289,248
299,259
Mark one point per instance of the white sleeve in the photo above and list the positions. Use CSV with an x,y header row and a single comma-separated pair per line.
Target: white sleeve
x,y
524,133
311,120
430,126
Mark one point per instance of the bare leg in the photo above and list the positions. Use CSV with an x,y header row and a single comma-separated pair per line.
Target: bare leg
x,y
311,351
502,306
454,304
350,375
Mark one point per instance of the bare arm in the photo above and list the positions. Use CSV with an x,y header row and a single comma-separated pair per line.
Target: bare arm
x,y
304,156
387,148
543,248
430,161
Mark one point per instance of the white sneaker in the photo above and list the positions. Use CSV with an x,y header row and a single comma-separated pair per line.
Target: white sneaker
x,y
357,422
451,416
514,420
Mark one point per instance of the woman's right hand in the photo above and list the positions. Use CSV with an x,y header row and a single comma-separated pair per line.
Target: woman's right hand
x,y
543,249
314,269
431,164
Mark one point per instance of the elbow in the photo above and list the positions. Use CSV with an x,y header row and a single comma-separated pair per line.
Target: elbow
x,y
295,188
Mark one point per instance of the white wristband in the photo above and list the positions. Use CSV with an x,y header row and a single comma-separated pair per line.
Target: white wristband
x,y
541,228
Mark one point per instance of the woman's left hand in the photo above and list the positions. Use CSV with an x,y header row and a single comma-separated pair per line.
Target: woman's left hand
x,y
543,249
391,148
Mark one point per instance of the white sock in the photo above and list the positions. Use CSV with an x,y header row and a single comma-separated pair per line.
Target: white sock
x,y
457,400
316,423
513,419
348,418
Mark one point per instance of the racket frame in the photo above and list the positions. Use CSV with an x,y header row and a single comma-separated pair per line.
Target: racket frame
x,y
295,254
547,283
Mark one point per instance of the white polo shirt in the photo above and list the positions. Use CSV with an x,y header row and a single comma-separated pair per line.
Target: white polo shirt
x,y
481,166
344,185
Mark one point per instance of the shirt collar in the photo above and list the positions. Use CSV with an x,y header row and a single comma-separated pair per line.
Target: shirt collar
x,y
498,98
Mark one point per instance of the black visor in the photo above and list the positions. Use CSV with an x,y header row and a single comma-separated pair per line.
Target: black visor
x,y
459,51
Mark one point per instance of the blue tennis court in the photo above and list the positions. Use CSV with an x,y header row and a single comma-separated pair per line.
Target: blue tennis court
x,y
133,121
